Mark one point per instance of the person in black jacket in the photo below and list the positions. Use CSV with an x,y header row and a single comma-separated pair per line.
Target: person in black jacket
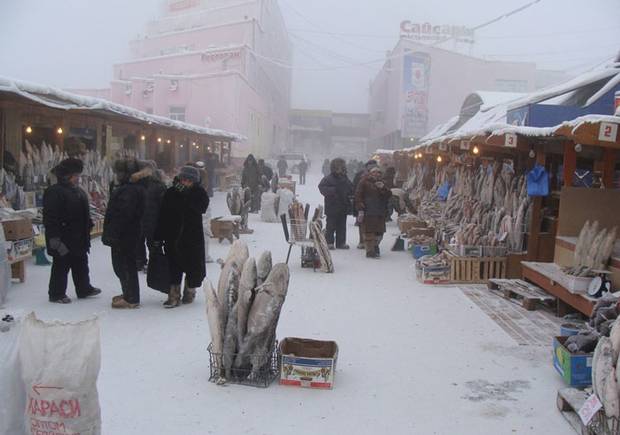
x,y
150,179
250,178
303,168
180,229
337,190
66,217
122,230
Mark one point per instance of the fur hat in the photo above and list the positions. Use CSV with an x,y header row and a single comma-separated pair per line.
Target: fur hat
x,y
370,163
68,167
125,168
190,173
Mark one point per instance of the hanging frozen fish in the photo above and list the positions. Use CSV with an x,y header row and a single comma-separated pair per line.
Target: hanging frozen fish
x,y
264,266
601,366
263,319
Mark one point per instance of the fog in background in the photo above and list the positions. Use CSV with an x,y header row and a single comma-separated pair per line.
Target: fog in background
x,y
73,43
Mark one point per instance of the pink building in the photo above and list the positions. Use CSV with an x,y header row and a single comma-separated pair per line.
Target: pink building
x,y
421,86
213,63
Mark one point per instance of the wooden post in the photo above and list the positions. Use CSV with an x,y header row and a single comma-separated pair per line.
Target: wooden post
x,y
608,167
570,163
532,241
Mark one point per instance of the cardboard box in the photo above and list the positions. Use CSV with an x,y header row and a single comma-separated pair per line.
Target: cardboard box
x,y
19,250
18,229
575,369
434,275
404,225
308,363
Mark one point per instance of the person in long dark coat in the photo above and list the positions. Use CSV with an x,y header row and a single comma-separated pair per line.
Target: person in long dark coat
x,y
250,178
282,167
371,201
303,168
361,173
337,190
67,222
149,178
266,175
122,229
180,229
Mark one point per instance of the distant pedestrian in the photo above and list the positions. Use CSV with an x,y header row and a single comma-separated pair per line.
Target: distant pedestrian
x,y
122,230
180,228
371,200
337,190
361,173
303,168
282,167
325,169
250,178
67,222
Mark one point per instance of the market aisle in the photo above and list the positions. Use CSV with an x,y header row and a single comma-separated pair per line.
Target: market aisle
x,y
413,359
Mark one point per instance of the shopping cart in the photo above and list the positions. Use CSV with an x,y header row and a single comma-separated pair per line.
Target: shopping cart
x,y
296,234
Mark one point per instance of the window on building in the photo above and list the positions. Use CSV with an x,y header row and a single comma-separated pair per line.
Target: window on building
x,y
177,113
505,85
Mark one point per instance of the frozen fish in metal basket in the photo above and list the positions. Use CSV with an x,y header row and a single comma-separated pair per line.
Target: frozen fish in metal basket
x,y
263,321
601,367
216,323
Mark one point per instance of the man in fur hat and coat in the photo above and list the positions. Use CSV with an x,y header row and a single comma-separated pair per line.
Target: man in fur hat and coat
x,y
66,217
122,230
337,190
180,229
371,202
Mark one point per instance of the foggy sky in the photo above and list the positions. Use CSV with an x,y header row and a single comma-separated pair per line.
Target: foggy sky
x,y
73,43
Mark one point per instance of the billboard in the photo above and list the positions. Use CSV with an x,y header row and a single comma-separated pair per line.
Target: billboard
x,y
416,84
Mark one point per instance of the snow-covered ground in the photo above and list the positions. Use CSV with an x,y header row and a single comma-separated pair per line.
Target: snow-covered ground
x,y
413,359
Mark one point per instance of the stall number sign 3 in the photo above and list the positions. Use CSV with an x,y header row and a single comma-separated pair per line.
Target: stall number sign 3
x,y
608,132
511,140
589,409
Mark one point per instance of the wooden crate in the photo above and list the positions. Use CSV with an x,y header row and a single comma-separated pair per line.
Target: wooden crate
x,y
477,269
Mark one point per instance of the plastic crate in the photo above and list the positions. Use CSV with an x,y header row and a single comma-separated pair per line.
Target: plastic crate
x,y
243,376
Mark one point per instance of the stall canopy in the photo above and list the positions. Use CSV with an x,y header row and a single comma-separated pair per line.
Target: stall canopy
x,y
59,99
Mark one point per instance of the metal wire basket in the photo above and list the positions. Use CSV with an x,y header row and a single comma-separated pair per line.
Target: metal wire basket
x,y
299,230
603,425
261,378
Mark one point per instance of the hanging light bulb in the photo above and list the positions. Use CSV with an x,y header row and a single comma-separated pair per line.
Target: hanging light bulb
x,y
194,143
439,159
159,139
28,130
143,138
168,141
181,145
59,131
476,150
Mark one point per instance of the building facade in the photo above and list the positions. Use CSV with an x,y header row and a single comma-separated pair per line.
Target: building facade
x,y
324,134
213,63
421,86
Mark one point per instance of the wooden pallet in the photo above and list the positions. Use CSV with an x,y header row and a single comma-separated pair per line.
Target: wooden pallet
x,y
470,270
530,295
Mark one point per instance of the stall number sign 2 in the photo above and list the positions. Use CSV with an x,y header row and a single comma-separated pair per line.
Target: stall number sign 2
x,y
608,132
511,140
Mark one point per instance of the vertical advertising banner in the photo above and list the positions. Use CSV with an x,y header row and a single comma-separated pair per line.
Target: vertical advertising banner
x,y
416,84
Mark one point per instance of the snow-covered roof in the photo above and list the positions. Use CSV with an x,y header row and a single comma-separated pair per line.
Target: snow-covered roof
x,y
441,129
607,71
59,99
491,99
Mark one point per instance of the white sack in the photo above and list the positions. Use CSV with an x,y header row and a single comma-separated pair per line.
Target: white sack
x,y
12,391
60,363
268,211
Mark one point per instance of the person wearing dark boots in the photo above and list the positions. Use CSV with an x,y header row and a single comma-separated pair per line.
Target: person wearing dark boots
x,y
122,230
363,171
337,190
303,169
180,229
371,201
66,217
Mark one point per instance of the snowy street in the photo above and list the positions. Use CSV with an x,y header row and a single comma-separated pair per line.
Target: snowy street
x,y
413,359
